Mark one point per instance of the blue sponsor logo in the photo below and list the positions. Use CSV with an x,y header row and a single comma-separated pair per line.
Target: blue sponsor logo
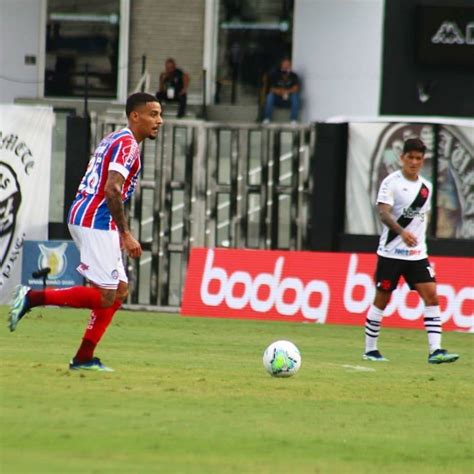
x,y
407,252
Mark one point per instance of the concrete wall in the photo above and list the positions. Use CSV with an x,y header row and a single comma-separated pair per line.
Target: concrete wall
x,y
163,28
337,48
21,34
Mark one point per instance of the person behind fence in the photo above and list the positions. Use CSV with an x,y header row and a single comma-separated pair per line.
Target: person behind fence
x,y
99,227
284,92
173,86
403,205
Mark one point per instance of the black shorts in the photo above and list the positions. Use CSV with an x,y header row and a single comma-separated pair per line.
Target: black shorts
x,y
389,271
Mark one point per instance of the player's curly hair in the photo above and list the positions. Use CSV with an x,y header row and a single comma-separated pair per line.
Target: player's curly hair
x,y
137,99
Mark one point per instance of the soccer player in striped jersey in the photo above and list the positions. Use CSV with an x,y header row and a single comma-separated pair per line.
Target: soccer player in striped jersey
x,y
98,225
403,203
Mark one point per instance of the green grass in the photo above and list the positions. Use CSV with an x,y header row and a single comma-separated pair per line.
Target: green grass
x,y
189,395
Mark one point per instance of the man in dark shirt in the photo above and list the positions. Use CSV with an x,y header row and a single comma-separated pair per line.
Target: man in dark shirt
x,y
173,86
284,92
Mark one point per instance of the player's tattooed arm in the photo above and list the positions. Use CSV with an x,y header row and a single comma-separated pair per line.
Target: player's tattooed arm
x,y
113,198
386,218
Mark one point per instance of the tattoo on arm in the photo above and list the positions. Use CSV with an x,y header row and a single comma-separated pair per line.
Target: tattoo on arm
x,y
113,198
387,219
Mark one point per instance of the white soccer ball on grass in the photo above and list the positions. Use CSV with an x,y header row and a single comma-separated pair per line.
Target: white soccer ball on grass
x,y
282,359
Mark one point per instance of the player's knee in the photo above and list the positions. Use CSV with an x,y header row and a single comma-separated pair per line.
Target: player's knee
x,y
122,294
108,298
122,291
382,298
431,300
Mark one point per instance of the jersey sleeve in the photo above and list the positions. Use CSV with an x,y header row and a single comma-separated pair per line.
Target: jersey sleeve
x,y
122,156
385,195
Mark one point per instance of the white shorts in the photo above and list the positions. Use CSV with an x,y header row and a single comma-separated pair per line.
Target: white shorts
x,y
101,256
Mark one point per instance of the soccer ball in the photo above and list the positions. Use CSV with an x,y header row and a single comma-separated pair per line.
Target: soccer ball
x,y
282,359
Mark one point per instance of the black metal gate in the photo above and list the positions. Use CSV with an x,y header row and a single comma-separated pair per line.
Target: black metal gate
x,y
216,185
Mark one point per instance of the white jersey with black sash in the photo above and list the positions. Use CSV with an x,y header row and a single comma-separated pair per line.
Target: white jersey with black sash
x,y
410,201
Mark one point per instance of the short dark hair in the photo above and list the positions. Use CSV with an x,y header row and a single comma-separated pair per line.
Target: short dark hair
x,y
137,99
414,144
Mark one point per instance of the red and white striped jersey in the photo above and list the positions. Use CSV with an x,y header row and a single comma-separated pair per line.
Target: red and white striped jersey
x,y
118,152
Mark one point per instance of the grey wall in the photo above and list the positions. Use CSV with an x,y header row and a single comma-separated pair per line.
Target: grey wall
x,y
337,48
20,35
164,28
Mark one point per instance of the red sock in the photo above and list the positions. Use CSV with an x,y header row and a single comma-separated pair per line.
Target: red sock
x,y
98,324
85,351
74,297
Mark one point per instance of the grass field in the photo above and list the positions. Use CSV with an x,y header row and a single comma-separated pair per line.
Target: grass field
x,y
189,395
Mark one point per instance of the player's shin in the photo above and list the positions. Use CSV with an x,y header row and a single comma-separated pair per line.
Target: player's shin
x,y
372,328
99,321
433,328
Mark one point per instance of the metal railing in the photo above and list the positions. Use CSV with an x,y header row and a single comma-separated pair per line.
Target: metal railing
x,y
215,185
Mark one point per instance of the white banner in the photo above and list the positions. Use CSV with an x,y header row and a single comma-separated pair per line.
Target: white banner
x,y
25,161
374,151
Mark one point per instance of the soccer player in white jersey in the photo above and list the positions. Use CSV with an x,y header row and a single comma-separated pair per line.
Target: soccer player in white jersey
x,y
403,203
100,229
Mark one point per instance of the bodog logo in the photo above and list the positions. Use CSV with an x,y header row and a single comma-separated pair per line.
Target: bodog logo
x,y
455,173
10,200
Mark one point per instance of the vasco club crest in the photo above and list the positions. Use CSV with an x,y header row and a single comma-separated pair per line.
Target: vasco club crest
x,y
10,200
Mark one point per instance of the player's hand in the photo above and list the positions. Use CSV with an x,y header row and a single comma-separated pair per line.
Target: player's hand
x,y
409,238
131,245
